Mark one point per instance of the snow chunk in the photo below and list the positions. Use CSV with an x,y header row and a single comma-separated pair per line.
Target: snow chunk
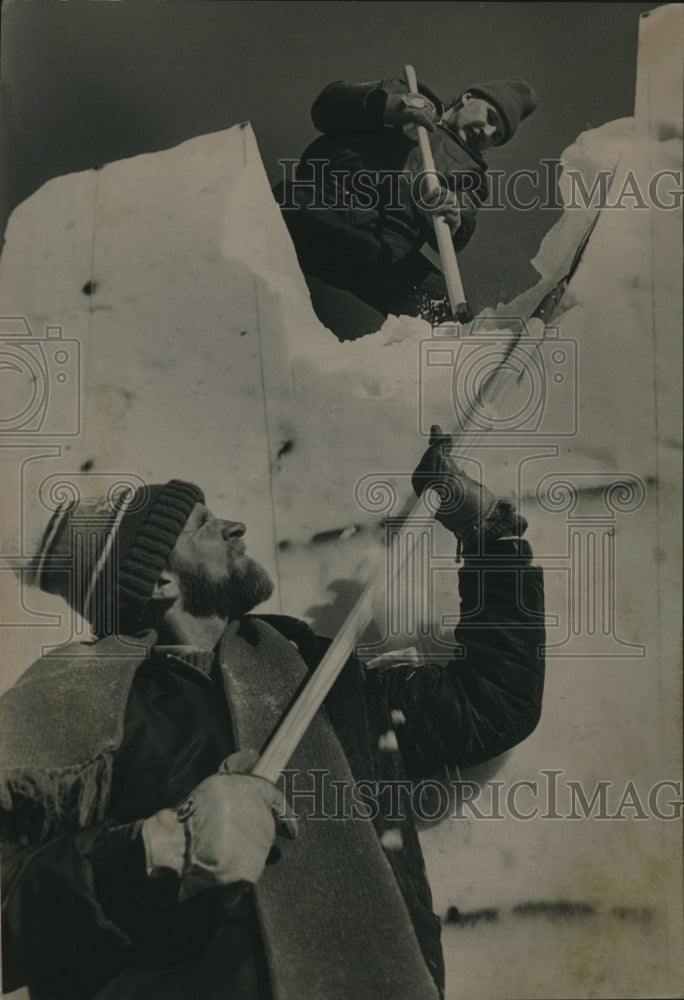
x,y
388,741
392,840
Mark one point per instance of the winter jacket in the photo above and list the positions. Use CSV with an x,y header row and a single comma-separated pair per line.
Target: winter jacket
x,y
377,217
80,917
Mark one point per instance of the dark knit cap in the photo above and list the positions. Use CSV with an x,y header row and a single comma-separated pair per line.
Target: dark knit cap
x,y
514,99
105,556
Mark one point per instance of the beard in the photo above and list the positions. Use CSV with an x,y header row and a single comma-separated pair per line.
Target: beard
x,y
233,595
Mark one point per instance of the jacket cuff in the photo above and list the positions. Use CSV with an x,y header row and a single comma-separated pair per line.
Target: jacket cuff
x,y
499,551
123,888
118,850
375,107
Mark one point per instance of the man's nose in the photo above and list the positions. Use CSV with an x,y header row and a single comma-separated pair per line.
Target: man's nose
x,y
233,529
488,130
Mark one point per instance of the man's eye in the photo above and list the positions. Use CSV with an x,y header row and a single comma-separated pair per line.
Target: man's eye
x,y
493,119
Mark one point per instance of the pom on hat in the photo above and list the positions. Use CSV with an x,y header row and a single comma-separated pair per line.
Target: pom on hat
x,y
104,557
513,98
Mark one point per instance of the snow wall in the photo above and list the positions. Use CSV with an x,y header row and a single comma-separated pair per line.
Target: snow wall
x,y
156,325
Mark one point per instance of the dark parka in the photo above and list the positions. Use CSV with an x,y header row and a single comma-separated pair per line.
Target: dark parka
x,y
369,243
78,909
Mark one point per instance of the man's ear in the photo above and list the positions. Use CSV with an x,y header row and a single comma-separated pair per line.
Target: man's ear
x,y
166,588
464,98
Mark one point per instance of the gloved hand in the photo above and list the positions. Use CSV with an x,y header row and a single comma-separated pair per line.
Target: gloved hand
x,y
410,109
442,202
221,834
467,508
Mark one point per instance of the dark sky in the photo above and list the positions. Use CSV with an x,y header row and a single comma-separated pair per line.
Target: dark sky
x,y
89,81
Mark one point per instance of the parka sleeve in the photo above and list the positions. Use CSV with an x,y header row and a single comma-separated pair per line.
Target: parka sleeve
x,y
73,902
357,107
488,697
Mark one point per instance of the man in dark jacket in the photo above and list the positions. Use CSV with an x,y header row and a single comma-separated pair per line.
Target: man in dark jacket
x,y
359,215
137,865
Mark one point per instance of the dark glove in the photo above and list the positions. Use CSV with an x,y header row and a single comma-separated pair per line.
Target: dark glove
x,y
467,508
410,109
441,203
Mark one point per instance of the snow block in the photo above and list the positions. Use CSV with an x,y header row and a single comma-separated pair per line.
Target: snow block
x,y
169,283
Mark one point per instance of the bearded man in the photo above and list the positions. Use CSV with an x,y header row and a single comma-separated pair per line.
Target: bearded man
x,y
139,853
358,215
